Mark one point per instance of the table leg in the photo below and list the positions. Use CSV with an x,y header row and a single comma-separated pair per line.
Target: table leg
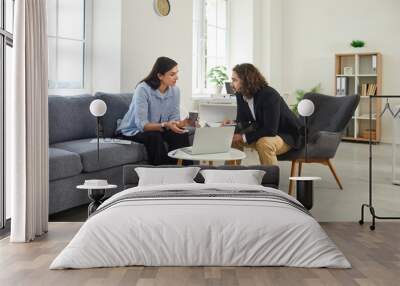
x,y
179,162
96,197
210,163
305,194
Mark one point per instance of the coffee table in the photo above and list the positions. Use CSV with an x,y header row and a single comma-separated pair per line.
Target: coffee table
x,y
233,156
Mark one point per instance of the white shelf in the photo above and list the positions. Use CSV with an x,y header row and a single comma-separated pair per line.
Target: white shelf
x,y
217,101
346,75
364,71
367,75
359,75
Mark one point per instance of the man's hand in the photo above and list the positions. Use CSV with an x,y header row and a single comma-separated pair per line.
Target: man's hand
x,y
237,139
173,126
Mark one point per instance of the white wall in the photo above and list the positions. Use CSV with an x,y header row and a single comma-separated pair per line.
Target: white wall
x,y
106,46
146,36
241,41
256,37
314,30
269,41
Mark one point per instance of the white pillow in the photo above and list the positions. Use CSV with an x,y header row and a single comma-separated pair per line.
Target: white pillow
x,y
248,177
166,176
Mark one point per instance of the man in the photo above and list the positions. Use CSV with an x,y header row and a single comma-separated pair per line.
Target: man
x,y
264,120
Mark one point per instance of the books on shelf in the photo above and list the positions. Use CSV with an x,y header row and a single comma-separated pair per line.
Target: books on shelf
x,y
374,63
341,85
368,89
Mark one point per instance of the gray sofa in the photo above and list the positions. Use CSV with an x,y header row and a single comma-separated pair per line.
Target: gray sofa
x,y
73,158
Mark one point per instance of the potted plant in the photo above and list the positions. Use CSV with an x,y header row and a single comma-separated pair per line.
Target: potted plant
x,y
300,94
218,76
357,44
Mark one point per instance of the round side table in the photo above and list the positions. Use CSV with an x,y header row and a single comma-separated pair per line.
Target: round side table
x,y
96,195
304,190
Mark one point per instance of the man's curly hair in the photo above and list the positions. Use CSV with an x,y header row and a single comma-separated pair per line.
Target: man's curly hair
x,y
252,80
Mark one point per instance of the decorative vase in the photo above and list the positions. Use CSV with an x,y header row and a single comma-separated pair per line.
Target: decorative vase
x,y
217,90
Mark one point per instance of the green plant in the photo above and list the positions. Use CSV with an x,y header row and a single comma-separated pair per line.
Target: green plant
x,y
357,44
300,94
218,75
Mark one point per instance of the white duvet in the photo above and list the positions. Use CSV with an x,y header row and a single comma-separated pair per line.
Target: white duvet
x,y
200,231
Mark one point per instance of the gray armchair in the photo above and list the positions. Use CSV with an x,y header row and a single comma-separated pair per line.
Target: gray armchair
x,y
325,125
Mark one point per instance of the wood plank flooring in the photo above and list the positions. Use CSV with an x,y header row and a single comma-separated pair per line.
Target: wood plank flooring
x,y
375,257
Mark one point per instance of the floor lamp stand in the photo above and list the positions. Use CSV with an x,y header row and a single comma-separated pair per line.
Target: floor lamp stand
x,y
304,185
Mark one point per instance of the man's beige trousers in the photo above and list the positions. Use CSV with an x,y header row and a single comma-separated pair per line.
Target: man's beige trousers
x,y
268,148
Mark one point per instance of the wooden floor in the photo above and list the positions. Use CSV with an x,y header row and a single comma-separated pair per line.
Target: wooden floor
x,y
375,257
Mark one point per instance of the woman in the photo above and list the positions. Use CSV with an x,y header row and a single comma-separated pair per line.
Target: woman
x,y
153,118
264,120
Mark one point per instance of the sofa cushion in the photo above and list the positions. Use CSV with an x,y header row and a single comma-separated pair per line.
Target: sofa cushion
x,y
70,118
111,155
117,106
63,164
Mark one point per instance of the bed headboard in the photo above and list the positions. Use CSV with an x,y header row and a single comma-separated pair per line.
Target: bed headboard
x,y
270,179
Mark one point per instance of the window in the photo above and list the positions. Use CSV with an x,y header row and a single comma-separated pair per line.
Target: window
x,y
67,44
210,37
6,43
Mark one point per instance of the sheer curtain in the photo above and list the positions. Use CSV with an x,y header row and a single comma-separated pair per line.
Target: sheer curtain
x,y
27,122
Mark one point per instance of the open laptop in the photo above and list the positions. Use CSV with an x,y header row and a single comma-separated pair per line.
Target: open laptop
x,y
210,140
229,89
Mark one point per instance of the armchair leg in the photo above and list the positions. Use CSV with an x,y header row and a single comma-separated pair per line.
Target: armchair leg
x,y
292,174
328,162
300,166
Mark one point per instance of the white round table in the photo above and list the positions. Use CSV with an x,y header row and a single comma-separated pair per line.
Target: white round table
x,y
233,156
96,195
304,190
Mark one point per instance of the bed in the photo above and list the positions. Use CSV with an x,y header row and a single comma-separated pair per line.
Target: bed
x,y
197,224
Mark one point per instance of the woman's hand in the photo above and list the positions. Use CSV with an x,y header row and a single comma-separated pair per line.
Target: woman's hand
x,y
174,127
183,123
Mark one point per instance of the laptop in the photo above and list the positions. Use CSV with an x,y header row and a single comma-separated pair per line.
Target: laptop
x,y
229,89
211,140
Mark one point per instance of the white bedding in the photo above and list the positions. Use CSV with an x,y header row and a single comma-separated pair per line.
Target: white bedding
x,y
200,231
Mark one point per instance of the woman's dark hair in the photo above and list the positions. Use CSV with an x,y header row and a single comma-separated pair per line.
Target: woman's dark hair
x,y
252,79
161,66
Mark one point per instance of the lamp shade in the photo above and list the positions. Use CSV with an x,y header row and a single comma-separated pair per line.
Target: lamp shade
x,y
305,107
98,107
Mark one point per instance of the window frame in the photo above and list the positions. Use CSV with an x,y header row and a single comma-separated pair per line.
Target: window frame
x,y
6,39
199,52
87,54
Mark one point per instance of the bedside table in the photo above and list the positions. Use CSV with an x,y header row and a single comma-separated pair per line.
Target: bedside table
x,y
304,190
96,195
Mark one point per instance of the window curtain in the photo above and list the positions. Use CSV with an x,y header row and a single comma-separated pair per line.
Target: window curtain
x,y
27,122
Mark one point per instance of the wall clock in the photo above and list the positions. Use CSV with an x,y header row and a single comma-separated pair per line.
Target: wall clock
x,y
162,7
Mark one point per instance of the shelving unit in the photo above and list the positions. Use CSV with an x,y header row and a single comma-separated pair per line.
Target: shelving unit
x,y
360,73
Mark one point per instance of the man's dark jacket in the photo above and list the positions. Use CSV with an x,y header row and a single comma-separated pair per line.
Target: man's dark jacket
x,y
273,117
